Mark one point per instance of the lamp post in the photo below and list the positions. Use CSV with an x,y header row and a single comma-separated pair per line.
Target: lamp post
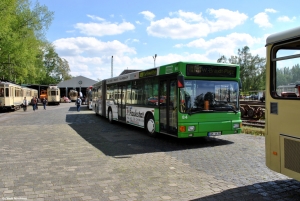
x,y
154,58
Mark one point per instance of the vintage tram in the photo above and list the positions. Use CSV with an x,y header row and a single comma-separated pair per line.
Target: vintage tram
x,y
73,94
53,93
12,95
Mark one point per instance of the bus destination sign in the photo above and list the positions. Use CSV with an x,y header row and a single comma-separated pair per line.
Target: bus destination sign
x,y
210,71
148,73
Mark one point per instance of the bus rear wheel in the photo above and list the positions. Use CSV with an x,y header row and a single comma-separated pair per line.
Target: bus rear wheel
x,y
110,116
150,126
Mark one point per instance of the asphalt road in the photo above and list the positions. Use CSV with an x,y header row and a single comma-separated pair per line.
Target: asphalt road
x,y
62,154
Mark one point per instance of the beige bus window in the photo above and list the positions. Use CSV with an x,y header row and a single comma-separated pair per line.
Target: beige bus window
x,y
287,66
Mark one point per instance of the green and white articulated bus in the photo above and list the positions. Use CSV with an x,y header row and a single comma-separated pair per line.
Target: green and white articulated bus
x,y
182,99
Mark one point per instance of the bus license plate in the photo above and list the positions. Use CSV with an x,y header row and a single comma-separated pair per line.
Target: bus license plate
x,y
214,133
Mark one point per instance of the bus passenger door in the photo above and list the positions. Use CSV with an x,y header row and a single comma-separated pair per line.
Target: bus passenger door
x,y
121,102
168,106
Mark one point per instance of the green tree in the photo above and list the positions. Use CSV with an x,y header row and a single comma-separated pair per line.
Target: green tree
x,y
22,40
253,69
56,69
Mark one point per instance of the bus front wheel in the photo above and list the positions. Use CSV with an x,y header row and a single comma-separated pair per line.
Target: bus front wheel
x,y
150,126
110,116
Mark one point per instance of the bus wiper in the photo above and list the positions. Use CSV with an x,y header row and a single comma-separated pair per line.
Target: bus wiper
x,y
224,108
233,110
194,111
190,111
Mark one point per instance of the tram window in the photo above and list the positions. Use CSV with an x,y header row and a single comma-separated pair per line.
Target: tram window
x,y
7,92
1,92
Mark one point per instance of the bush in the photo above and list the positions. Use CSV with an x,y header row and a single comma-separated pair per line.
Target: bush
x,y
253,130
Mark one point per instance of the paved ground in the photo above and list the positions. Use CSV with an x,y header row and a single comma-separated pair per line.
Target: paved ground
x,y
62,154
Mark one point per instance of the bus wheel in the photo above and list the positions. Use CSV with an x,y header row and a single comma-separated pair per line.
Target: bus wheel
x,y
110,116
150,126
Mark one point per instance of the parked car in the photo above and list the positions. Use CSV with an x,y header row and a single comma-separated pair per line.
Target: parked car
x,y
65,100
154,100
254,97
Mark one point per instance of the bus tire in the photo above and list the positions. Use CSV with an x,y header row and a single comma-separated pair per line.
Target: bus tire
x,y
110,116
150,126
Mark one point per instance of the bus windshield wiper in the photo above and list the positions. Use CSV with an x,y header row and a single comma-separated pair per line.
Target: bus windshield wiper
x,y
224,108
233,110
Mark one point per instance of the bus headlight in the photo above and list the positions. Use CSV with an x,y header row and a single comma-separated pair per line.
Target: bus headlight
x,y
191,128
237,125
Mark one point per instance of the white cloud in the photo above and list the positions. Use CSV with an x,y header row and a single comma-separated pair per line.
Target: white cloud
x,y
93,17
148,15
262,19
103,28
226,19
129,40
188,16
90,57
259,51
186,25
270,10
91,47
286,19
177,28
223,45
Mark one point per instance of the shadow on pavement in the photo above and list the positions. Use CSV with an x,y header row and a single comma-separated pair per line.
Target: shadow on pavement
x,y
273,190
119,140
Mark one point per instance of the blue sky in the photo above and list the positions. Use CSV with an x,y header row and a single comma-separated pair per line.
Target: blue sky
x,y
87,33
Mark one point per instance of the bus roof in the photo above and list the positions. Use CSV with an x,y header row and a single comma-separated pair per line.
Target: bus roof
x,y
284,35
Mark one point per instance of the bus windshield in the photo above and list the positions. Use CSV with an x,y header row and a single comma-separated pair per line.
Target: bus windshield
x,y
205,95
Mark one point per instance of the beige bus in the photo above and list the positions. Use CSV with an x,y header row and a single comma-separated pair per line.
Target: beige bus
x,y
283,107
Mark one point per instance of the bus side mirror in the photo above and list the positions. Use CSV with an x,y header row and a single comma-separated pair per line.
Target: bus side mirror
x,y
180,81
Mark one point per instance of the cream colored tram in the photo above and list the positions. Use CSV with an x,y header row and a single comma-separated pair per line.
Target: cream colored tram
x,y
53,94
73,94
29,93
283,107
11,96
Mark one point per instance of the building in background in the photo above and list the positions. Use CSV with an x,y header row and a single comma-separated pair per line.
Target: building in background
x,y
78,83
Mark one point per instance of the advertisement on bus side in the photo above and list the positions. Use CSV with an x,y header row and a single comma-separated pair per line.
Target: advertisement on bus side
x,y
136,115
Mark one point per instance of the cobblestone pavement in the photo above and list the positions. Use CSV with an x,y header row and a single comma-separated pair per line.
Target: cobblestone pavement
x,y
62,154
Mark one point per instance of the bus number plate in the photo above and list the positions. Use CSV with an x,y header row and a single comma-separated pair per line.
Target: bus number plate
x,y
214,133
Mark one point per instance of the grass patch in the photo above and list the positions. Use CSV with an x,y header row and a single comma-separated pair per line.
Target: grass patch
x,y
253,130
